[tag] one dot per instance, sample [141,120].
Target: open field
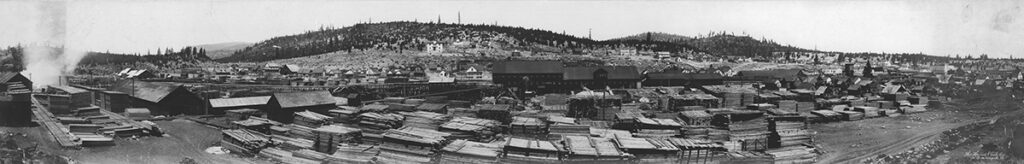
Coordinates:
[915,134]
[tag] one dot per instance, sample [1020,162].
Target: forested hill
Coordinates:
[11,58]
[406,36]
[720,43]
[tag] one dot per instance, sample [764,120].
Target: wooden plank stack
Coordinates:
[328,137]
[289,143]
[914,109]
[788,105]
[869,112]
[851,115]
[311,119]
[474,129]
[794,155]
[527,125]
[789,131]
[299,131]
[354,153]
[469,152]
[918,100]
[805,106]
[344,115]
[424,119]
[498,112]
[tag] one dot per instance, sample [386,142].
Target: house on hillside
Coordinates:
[282,106]
[435,48]
[162,98]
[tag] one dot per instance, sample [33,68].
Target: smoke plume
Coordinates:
[49,56]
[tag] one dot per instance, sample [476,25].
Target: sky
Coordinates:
[942,27]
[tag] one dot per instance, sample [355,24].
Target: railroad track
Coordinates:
[53,126]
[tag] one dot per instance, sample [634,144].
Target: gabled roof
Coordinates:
[527,67]
[614,72]
[683,76]
[149,91]
[304,99]
[7,76]
[239,101]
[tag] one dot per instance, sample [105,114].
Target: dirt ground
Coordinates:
[908,136]
[184,139]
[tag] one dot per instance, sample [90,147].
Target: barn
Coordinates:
[15,99]
[162,98]
[282,106]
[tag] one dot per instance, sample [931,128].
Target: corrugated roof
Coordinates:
[527,67]
[304,99]
[239,101]
[614,72]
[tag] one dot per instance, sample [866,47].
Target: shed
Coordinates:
[282,105]
[218,106]
[163,97]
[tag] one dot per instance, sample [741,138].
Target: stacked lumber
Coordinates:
[462,112]
[762,106]
[401,157]
[858,102]
[309,154]
[397,107]
[413,142]
[695,132]
[289,143]
[767,98]
[344,115]
[696,144]
[657,123]
[656,133]
[475,129]
[240,114]
[373,108]
[88,111]
[568,129]
[745,126]
[459,103]
[691,101]
[607,133]
[423,119]
[699,118]
[851,115]
[788,105]
[243,141]
[732,99]
[527,125]
[648,149]
[789,131]
[353,153]
[586,148]
[469,152]
[780,112]
[275,153]
[805,106]
[626,120]
[519,150]
[748,98]
[433,107]
[299,131]
[786,95]
[869,112]
[829,115]
[887,105]
[311,119]
[913,109]
[380,122]
[499,112]
[747,157]
[795,155]
[889,112]
[328,137]
[918,100]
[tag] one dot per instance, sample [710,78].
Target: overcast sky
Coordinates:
[932,27]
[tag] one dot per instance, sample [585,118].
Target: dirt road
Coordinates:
[854,141]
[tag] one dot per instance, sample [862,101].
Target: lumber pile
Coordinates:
[747,157]
[869,112]
[648,149]
[299,131]
[586,148]
[795,155]
[462,112]
[243,142]
[240,114]
[748,127]
[527,125]
[519,150]
[474,129]
[498,112]
[379,122]
[413,142]
[789,131]
[913,109]
[289,143]
[851,115]
[328,137]
[311,119]
[656,133]
[354,153]
[788,105]
[469,152]
[761,106]
[767,98]
[829,115]
[309,154]
[88,111]
[918,100]
[698,118]
[423,119]
[433,107]
[805,106]
[344,115]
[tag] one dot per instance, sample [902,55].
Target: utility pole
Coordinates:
[460,17]
[439,19]
[590,33]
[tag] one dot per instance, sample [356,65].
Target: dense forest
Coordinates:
[11,58]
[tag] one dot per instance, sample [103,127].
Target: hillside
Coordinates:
[406,36]
[655,36]
[731,45]
[221,50]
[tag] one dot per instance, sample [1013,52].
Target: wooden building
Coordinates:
[682,79]
[540,76]
[162,98]
[15,99]
[218,106]
[578,78]
[282,106]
